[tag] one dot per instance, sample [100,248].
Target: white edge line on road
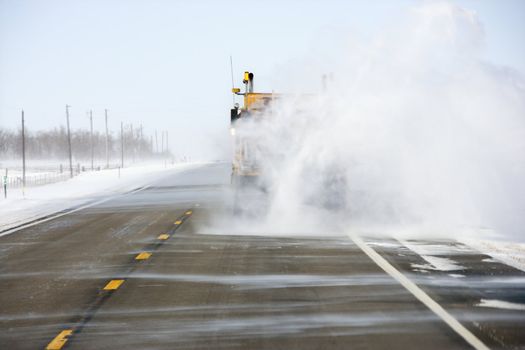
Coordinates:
[10,231]
[419,294]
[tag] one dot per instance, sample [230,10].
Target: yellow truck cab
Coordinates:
[248,183]
[245,159]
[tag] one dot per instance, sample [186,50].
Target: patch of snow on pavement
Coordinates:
[427,252]
[500,304]
[438,264]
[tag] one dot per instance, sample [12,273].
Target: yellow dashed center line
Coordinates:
[113,284]
[60,340]
[143,256]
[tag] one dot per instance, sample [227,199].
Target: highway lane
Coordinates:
[231,291]
[51,272]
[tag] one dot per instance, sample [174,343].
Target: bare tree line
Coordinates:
[52,144]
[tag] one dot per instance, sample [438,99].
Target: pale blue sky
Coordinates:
[166,63]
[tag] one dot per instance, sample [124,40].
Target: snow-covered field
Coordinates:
[34,202]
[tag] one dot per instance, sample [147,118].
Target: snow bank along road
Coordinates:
[136,272]
[24,208]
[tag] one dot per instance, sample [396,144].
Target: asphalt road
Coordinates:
[193,290]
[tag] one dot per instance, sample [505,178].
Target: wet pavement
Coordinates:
[231,291]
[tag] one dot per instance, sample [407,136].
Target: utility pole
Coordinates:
[107,139]
[162,142]
[133,148]
[5,183]
[156,143]
[140,142]
[23,151]
[69,143]
[91,137]
[121,144]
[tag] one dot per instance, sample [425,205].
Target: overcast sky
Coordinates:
[165,64]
